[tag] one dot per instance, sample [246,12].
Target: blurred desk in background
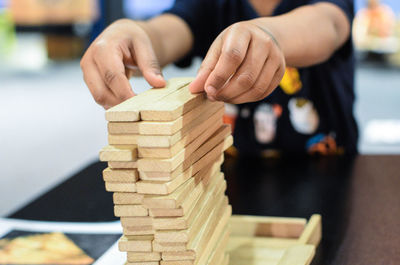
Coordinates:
[358,198]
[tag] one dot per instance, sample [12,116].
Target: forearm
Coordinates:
[170,36]
[308,35]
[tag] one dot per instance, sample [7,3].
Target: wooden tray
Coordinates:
[273,240]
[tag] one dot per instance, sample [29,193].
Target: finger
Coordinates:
[148,62]
[100,92]
[233,52]
[206,67]
[110,64]
[260,88]
[247,74]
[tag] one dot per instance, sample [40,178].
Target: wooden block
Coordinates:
[143,263]
[120,175]
[124,198]
[136,221]
[123,153]
[189,131]
[313,231]
[123,139]
[171,127]
[178,255]
[185,221]
[176,198]
[122,165]
[170,164]
[143,244]
[120,187]
[175,262]
[211,124]
[123,127]
[172,106]
[218,254]
[138,230]
[262,242]
[130,210]
[301,254]
[164,188]
[207,153]
[143,256]
[168,247]
[186,235]
[186,205]
[267,226]
[129,110]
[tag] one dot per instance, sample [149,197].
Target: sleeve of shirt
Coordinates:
[198,15]
[346,5]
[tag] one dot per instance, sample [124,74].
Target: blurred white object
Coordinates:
[383,131]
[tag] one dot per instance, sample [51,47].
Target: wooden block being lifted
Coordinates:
[129,110]
[172,106]
[120,175]
[166,141]
[124,153]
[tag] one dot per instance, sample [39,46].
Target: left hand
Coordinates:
[244,64]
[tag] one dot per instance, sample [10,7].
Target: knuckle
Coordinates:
[219,78]
[246,79]
[234,54]
[259,91]
[100,98]
[109,76]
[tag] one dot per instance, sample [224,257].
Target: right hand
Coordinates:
[112,59]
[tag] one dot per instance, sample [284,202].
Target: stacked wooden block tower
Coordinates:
[164,156]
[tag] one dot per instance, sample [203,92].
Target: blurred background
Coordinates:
[50,127]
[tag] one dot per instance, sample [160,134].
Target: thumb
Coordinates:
[148,63]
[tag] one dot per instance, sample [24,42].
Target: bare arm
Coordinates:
[247,60]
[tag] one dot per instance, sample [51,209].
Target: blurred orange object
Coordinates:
[38,12]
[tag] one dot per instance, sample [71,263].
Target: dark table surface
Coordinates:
[358,198]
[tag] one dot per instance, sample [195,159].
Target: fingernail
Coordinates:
[211,90]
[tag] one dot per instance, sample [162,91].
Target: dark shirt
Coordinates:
[312,109]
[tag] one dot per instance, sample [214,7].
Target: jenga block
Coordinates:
[143,256]
[138,230]
[168,152]
[200,159]
[178,255]
[212,229]
[176,198]
[218,253]
[127,198]
[187,235]
[176,262]
[172,106]
[168,247]
[130,210]
[123,127]
[171,127]
[136,221]
[189,131]
[122,165]
[120,175]
[129,110]
[170,164]
[185,221]
[143,263]
[141,244]
[123,153]
[120,187]
[123,139]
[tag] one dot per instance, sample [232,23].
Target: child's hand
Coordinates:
[123,49]
[244,64]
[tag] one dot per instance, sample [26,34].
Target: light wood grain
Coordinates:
[120,187]
[120,175]
[129,110]
[123,139]
[123,153]
[130,210]
[123,127]
[312,234]
[136,245]
[143,257]
[122,165]
[125,198]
